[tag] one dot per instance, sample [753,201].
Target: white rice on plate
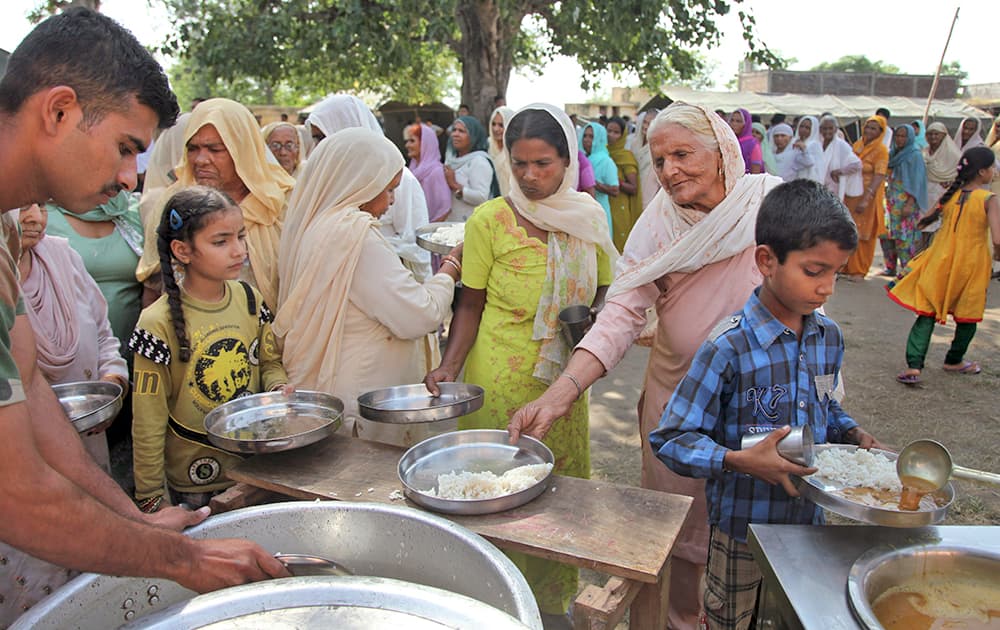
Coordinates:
[464,485]
[857,468]
[448,235]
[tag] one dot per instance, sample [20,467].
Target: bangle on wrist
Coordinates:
[576,383]
[448,258]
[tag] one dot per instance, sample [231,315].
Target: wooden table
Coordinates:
[622,531]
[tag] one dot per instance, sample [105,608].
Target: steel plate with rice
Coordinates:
[272,422]
[451,455]
[849,493]
[407,404]
[89,404]
[441,237]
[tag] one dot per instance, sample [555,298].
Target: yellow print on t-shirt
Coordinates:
[221,369]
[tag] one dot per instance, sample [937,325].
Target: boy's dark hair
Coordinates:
[103,62]
[536,123]
[883,112]
[184,215]
[800,214]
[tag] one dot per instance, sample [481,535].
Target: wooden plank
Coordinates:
[603,608]
[614,529]
[239,496]
[649,610]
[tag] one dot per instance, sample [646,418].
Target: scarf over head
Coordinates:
[501,163]
[669,238]
[814,148]
[747,142]
[263,208]
[478,145]
[269,128]
[975,141]
[342,111]
[639,145]
[318,257]
[838,155]
[769,164]
[920,139]
[167,153]
[429,171]
[907,166]
[941,163]
[577,227]
[51,306]
[599,147]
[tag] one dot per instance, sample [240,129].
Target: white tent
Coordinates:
[847,109]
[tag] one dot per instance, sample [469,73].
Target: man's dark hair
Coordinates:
[883,112]
[801,214]
[777,119]
[103,62]
[498,98]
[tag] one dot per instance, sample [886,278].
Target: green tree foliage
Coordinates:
[954,69]
[408,50]
[50,7]
[856,63]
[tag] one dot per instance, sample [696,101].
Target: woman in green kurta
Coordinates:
[526,257]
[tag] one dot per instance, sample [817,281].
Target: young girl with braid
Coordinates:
[950,277]
[207,340]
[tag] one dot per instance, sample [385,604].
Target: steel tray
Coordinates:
[407,404]
[823,492]
[272,422]
[473,451]
[89,403]
[426,230]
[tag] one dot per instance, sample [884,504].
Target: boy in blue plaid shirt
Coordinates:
[768,368]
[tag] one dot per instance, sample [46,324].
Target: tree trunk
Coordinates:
[486,50]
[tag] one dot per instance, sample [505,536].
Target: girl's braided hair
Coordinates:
[184,215]
[969,165]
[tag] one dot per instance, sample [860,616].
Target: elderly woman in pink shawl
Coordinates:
[690,256]
[426,165]
[67,311]
[753,155]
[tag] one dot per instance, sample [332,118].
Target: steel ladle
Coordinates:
[299,564]
[931,461]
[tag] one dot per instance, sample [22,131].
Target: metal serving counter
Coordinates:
[805,567]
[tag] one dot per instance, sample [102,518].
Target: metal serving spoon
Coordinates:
[931,461]
[299,564]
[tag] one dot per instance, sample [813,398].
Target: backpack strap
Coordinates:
[251,300]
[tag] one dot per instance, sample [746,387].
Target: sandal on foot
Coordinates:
[908,378]
[967,367]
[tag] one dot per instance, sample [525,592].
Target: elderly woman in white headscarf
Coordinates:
[225,151]
[639,145]
[542,248]
[941,156]
[840,168]
[691,256]
[351,318]
[282,139]
[498,122]
[409,210]
[809,153]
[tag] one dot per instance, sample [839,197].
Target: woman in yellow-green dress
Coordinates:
[527,256]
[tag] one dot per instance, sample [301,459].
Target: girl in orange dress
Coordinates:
[951,276]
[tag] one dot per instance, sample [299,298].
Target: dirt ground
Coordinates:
[962,412]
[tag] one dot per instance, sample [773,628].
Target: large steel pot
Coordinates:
[370,539]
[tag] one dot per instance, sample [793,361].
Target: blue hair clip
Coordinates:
[176,222]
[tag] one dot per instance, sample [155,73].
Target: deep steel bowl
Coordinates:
[272,422]
[89,403]
[824,493]
[425,231]
[371,538]
[472,451]
[881,568]
[407,404]
[346,603]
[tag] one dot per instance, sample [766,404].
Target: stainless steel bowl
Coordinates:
[372,539]
[407,404]
[473,451]
[825,493]
[881,568]
[89,403]
[345,603]
[426,230]
[272,422]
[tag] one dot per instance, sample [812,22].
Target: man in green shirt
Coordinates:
[79,102]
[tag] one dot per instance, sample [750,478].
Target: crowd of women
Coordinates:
[285,257]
